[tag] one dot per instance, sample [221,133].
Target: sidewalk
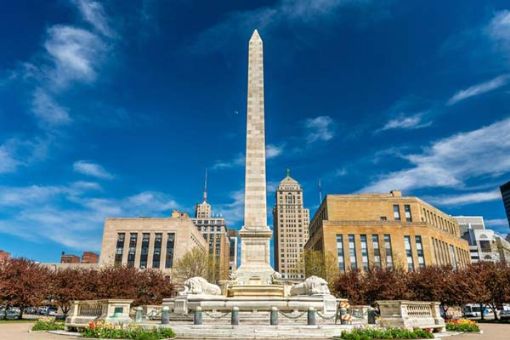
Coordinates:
[20,331]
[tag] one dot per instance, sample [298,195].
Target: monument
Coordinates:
[255,287]
[255,233]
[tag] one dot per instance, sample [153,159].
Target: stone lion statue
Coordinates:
[199,285]
[313,285]
[276,278]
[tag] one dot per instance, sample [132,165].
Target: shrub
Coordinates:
[388,333]
[48,325]
[108,331]
[462,325]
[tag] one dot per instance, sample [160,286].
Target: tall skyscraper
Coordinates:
[505,193]
[255,233]
[214,231]
[290,220]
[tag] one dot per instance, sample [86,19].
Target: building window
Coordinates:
[119,251]
[352,252]
[389,252]
[419,250]
[170,242]
[396,212]
[364,252]
[485,246]
[377,251]
[409,253]
[133,237]
[340,252]
[453,256]
[156,257]
[407,211]
[145,250]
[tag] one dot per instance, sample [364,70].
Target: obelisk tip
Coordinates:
[255,36]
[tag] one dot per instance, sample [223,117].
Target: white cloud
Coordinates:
[85,186]
[152,201]
[341,172]
[414,121]
[237,161]
[7,161]
[91,169]
[302,12]
[234,210]
[497,222]
[479,89]
[74,52]
[94,13]
[273,151]
[47,110]
[499,29]
[320,128]
[68,215]
[470,198]
[70,55]
[25,196]
[449,162]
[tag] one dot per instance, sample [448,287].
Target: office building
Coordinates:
[386,230]
[290,224]
[149,242]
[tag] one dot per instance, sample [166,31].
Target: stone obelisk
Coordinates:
[255,234]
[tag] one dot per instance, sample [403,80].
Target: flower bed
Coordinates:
[108,331]
[48,325]
[462,325]
[385,333]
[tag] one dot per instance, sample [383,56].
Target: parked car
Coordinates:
[30,310]
[504,314]
[13,313]
[2,313]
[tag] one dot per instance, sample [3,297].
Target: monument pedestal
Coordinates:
[255,252]
[256,290]
[325,304]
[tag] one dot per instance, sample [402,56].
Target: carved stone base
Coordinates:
[256,290]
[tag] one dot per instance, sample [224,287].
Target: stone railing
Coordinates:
[410,314]
[111,310]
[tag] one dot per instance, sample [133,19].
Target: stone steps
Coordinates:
[258,332]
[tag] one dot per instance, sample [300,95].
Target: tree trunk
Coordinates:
[495,311]
[482,316]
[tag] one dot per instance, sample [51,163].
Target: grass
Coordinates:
[50,325]
[386,333]
[108,331]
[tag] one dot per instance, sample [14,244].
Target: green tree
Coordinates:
[318,264]
[196,263]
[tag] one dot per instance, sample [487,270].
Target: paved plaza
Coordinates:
[21,331]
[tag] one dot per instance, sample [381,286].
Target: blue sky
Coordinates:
[116,108]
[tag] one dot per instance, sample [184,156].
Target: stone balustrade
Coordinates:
[82,312]
[410,314]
